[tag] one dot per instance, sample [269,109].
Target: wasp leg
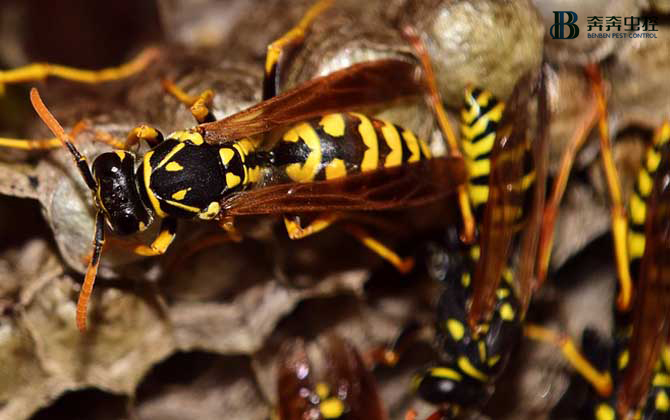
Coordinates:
[149,134]
[40,71]
[296,231]
[198,105]
[278,50]
[601,382]
[163,240]
[390,354]
[619,220]
[403,265]
[551,209]
[435,100]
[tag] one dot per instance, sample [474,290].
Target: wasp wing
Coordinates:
[402,186]
[504,208]
[364,84]
[651,307]
[294,375]
[348,375]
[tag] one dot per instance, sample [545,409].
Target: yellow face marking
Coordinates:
[170,155]
[187,135]
[456,329]
[179,195]
[306,171]
[333,125]
[211,212]
[604,412]
[472,371]
[506,312]
[412,144]
[392,139]
[638,209]
[662,402]
[232,180]
[369,136]
[121,154]
[336,169]
[332,408]
[147,186]
[173,167]
[442,372]
[226,155]
[322,390]
[623,360]
[183,206]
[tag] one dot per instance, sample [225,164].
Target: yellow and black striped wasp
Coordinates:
[628,375]
[483,303]
[347,390]
[293,154]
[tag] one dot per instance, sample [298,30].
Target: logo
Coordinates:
[557,30]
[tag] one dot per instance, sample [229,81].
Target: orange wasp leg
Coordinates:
[435,100]
[278,50]
[198,105]
[601,382]
[40,71]
[619,220]
[551,209]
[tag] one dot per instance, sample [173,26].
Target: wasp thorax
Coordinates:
[117,193]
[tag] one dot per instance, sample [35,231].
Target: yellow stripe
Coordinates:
[605,412]
[306,171]
[369,135]
[121,154]
[478,194]
[179,195]
[483,146]
[636,243]
[644,183]
[173,167]
[507,312]
[662,402]
[661,380]
[170,154]
[336,169]
[638,209]
[183,206]
[479,167]
[226,155]
[442,372]
[467,367]
[653,160]
[185,135]
[392,139]
[472,131]
[254,174]
[412,145]
[425,149]
[147,186]
[333,124]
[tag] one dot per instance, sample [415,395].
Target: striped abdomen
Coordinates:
[637,205]
[341,144]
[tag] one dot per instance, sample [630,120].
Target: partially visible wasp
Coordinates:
[483,304]
[347,390]
[629,375]
[318,160]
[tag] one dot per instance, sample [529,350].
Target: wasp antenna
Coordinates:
[50,121]
[91,272]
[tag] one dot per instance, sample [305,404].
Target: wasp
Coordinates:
[629,375]
[295,153]
[348,389]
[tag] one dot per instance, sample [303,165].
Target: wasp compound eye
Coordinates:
[117,192]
